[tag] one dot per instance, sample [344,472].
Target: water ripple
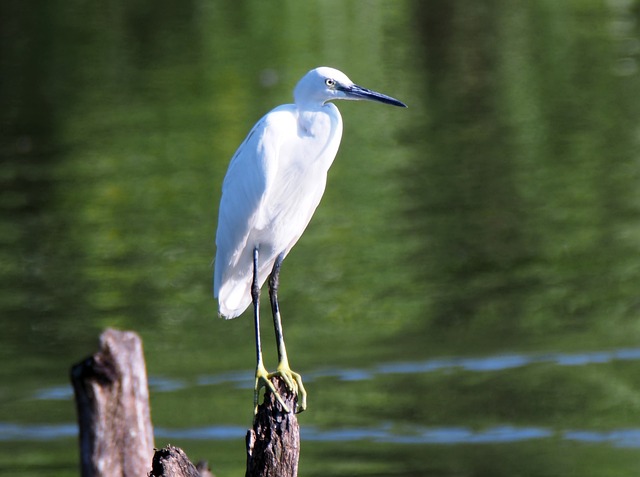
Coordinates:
[485,364]
[385,433]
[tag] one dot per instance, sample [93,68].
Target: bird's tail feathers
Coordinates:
[233,299]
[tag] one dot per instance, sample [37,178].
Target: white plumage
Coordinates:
[272,188]
[274,183]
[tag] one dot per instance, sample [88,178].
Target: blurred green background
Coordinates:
[466,300]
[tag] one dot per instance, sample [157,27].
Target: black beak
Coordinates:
[358,92]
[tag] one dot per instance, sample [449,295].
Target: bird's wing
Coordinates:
[244,189]
[242,193]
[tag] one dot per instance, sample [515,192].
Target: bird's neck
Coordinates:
[308,117]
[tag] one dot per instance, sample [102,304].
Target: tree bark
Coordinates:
[112,402]
[171,461]
[273,445]
[116,437]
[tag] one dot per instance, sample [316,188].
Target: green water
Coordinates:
[466,299]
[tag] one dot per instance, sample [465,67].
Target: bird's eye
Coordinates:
[330,82]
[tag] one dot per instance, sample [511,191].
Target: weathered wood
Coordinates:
[171,461]
[273,445]
[112,402]
[116,437]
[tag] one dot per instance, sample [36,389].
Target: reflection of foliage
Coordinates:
[499,211]
[526,197]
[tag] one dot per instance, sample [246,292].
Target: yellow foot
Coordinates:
[263,381]
[292,380]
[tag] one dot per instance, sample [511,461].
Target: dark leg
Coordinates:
[292,379]
[262,376]
[274,283]
[255,297]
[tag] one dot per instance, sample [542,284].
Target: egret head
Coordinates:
[325,84]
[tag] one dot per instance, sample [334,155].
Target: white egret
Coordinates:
[273,185]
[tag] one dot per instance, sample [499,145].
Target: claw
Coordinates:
[263,381]
[291,379]
[294,382]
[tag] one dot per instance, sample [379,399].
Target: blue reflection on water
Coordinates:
[54,393]
[439,435]
[36,432]
[164,384]
[244,379]
[384,433]
[618,437]
[479,364]
[241,377]
[628,438]
[495,363]
[214,433]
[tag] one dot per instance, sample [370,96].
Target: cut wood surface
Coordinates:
[112,402]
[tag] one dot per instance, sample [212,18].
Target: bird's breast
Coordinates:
[304,157]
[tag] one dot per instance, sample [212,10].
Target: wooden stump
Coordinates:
[116,437]
[273,445]
[171,461]
[112,401]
